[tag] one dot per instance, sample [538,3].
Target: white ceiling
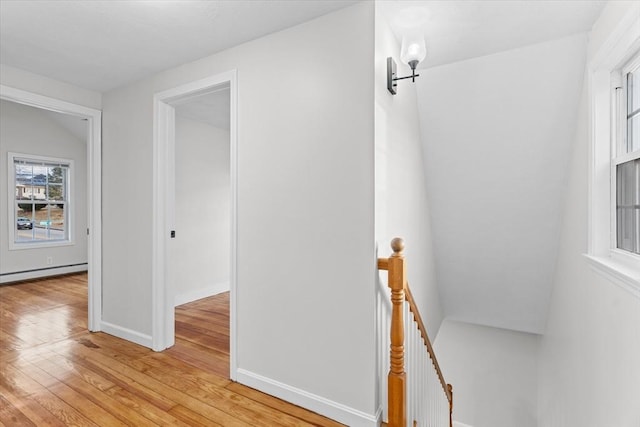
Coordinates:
[212,108]
[76,126]
[101,45]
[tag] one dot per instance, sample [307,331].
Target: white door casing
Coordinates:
[163,308]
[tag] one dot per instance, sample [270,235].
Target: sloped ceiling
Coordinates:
[497,134]
[498,96]
[75,126]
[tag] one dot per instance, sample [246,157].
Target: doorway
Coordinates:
[174,217]
[199,254]
[93,190]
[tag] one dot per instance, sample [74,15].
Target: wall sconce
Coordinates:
[412,52]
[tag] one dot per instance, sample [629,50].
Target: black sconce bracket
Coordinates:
[392,73]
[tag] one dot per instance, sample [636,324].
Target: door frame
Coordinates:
[162,298]
[94,187]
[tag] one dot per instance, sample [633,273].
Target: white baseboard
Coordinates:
[200,293]
[45,272]
[126,334]
[328,408]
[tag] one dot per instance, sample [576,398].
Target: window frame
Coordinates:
[619,154]
[69,240]
[604,75]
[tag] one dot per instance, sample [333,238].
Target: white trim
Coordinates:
[94,188]
[233,158]
[627,157]
[628,278]
[203,292]
[618,47]
[69,240]
[34,244]
[46,272]
[163,313]
[126,334]
[328,408]
[379,415]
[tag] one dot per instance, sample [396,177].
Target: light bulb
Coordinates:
[413,50]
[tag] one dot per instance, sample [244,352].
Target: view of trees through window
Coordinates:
[41,201]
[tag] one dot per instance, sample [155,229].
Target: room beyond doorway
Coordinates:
[199,254]
[93,133]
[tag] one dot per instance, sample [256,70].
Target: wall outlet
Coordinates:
[49,260]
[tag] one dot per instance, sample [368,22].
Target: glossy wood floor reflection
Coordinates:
[55,373]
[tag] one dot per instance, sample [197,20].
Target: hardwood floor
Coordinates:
[53,372]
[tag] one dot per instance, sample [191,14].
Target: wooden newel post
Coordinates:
[397,377]
[450,388]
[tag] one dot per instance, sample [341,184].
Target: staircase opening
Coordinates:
[416,391]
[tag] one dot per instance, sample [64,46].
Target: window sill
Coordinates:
[41,244]
[624,273]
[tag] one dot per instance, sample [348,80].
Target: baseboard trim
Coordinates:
[42,272]
[379,415]
[204,292]
[126,334]
[328,408]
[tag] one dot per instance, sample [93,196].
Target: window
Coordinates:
[39,192]
[613,89]
[626,160]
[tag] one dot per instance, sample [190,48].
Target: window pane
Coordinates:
[633,133]
[56,174]
[58,222]
[25,208]
[628,206]
[633,91]
[40,175]
[56,192]
[24,224]
[24,173]
[23,192]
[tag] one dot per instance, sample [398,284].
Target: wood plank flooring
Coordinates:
[53,372]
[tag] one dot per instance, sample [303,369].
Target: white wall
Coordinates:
[493,373]
[201,253]
[402,209]
[305,207]
[588,364]
[28,130]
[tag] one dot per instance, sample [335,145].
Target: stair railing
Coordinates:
[420,394]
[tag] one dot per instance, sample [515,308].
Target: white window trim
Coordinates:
[11,183]
[618,145]
[621,267]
